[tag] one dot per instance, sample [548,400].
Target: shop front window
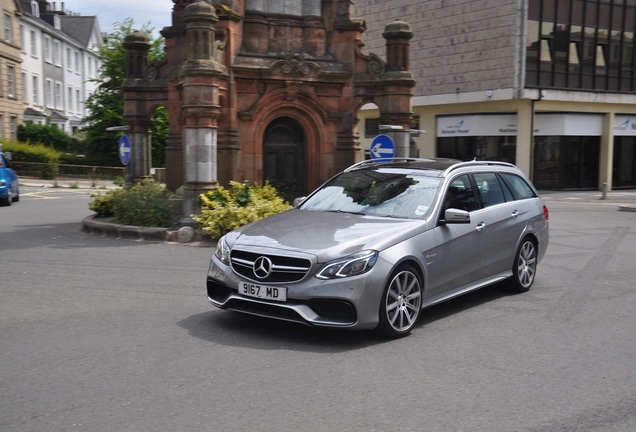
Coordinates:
[566,162]
[624,174]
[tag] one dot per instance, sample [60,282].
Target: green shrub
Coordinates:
[144,204]
[25,152]
[102,203]
[45,134]
[223,210]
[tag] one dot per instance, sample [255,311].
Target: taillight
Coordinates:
[545,213]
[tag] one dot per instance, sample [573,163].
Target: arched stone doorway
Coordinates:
[284,157]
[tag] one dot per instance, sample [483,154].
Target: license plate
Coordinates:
[262,291]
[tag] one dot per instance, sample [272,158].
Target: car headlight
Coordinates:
[222,251]
[352,265]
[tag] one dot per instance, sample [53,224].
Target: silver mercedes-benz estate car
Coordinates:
[381,241]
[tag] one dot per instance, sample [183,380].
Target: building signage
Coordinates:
[568,125]
[624,125]
[547,124]
[477,125]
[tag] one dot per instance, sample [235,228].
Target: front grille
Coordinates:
[284,269]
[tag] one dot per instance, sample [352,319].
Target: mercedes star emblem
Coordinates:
[262,267]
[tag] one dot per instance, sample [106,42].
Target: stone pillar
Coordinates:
[525,124]
[136,45]
[199,79]
[607,153]
[140,152]
[396,106]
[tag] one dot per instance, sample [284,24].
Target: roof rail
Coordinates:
[367,162]
[477,163]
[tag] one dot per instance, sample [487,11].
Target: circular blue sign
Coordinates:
[124,149]
[382,147]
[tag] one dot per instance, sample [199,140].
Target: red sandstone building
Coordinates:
[262,90]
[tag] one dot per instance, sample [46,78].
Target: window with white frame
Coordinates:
[48,93]
[69,60]
[34,44]
[36,89]
[78,101]
[77,62]
[35,8]
[13,127]
[69,100]
[22,44]
[57,53]
[11,81]
[25,87]
[47,49]
[8,28]
[59,95]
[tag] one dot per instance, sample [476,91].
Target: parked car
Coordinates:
[381,241]
[9,187]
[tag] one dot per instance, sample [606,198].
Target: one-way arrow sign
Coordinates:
[382,147]
[124,150]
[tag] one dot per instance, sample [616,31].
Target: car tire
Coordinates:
[524,268]
[16,198]
[401,303]
[4,202]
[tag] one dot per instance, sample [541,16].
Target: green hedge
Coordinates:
[25,152]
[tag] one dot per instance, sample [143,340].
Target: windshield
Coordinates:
[380,192]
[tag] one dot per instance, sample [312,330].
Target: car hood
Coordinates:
[327,235]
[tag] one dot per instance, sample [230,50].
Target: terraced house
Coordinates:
[11,106]
[59,58]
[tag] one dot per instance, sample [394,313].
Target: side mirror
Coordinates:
[456,216]
[298,201]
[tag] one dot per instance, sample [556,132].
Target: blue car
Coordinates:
[9,189]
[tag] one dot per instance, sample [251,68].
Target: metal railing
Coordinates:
[71,172]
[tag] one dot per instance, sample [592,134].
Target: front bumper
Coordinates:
[339,303]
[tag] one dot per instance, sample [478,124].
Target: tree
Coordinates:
[106,104]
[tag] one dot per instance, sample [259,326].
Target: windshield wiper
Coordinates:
[343,211]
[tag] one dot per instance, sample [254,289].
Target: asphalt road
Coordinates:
[99,334]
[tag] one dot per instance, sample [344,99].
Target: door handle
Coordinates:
[480,226]
[514,214]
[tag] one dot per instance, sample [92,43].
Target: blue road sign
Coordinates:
[124,149]
[382,147]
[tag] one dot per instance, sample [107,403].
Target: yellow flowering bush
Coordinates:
[225,209]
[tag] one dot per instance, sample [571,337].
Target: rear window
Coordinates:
[519,187]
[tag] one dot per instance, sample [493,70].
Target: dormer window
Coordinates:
[35,9]
[57,23]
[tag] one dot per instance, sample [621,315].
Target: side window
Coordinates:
[519,187]
[490,190]
[460,195]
